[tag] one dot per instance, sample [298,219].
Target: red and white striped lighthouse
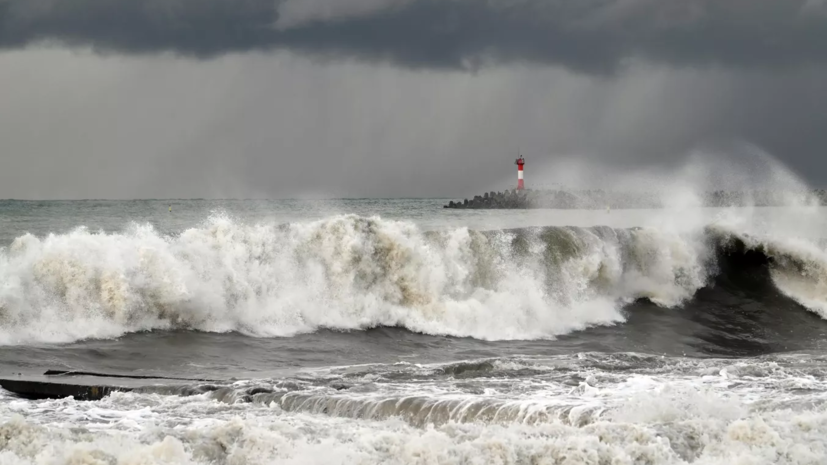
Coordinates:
[520,162]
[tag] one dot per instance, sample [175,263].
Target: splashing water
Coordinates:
[343,272]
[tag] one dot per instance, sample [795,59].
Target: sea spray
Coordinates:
[343,272]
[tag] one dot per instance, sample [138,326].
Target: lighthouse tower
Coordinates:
[520,162]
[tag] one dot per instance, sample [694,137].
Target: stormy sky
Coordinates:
[394,98]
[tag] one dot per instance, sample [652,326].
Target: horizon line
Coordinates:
[150,199]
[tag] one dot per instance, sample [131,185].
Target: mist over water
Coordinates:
[396,331]
[310,266]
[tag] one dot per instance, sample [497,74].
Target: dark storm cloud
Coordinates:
[586,35]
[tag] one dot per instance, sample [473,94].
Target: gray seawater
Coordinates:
[395,331]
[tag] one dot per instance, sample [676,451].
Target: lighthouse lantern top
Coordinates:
[520,161]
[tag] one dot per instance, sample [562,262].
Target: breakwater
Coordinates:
[601,199]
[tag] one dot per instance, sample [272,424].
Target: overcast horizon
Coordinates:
[405,98]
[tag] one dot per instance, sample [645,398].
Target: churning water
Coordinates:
[393,331]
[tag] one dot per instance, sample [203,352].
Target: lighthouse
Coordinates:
[520,162]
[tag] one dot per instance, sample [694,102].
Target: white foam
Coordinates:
[349,272]
[343,272]
[683,411]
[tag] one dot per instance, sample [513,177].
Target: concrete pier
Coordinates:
[55,384]
[31,389]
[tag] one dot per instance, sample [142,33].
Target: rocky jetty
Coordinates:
[507,199]
[600,199]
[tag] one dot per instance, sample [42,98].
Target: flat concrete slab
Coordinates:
[55,384]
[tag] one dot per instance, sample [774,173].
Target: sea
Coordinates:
[370,331]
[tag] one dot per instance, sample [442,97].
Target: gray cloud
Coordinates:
[276,125]
[585,35]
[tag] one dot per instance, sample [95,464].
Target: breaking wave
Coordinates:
[350,273]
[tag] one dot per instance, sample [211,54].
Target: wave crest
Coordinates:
[345,273]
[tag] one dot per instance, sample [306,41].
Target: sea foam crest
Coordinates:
[342,272]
